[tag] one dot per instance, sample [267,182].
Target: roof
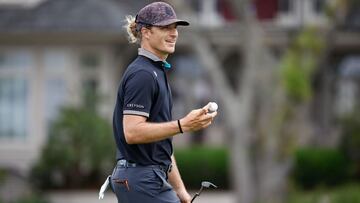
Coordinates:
[56,16]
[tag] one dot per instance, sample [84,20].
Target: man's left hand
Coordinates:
[184,196]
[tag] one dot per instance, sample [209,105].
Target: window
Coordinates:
[209,14]
[56,62]
[15,60]
[89,63]
[285,6]
[14,92]
[293,13]
[13,99]
[319,6]
[2,60]
[90,60]
[90,93]
[289,13]
[55,97]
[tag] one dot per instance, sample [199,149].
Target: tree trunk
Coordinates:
[253,180]
[237,119]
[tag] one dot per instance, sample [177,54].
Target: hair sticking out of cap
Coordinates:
[133,34]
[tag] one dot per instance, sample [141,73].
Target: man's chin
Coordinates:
[170,50]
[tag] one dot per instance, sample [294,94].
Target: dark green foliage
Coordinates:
[350,143]
[349,194]
[299,65]
[3,174]
[79,153]
[203,163]
[319,166]
[342,194]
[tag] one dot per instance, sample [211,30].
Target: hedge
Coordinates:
[198,164]
[319,166]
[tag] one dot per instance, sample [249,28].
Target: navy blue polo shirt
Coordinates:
[144,91]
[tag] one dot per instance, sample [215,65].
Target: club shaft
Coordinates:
[194,197]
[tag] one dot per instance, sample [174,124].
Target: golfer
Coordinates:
[146,170]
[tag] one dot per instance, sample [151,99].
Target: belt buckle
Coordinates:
[122,163]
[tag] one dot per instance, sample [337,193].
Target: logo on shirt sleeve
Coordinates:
[139,106]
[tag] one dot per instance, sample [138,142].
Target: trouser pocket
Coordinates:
[164,183]
[146,185]
[147,182]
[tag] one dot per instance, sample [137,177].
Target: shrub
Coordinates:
[315,166]
[342,194]
[2,175]
[203,164]
[350,140]
[79,153]
[299,64]
[348,194]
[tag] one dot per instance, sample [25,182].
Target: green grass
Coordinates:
[342,194]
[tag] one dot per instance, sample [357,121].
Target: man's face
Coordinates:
[162,40]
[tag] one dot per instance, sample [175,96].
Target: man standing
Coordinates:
[146,170]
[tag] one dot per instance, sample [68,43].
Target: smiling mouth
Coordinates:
[170,42]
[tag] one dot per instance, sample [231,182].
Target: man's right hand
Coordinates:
[197,119]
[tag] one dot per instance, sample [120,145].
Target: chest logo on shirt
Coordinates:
[139,106]
[155,74]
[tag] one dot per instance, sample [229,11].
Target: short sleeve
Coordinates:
[140,90]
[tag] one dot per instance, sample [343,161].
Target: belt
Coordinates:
[127,164]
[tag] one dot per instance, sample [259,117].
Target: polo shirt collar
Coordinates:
[148,54]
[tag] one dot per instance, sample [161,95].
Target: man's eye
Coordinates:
[169,27]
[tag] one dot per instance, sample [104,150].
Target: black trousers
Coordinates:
[142,185]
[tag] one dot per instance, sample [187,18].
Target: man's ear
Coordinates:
[145,32]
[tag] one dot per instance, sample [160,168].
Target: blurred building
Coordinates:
[50,53]
[54,50]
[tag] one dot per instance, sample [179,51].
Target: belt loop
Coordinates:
[169,168]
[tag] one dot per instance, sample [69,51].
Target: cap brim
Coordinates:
[171,21]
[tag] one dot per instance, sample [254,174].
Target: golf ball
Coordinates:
[213,106]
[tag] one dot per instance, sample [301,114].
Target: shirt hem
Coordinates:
[132,112]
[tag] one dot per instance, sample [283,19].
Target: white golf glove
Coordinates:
[104,187]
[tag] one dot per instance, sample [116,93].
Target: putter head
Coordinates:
[207,184]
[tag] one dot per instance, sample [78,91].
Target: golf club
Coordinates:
[204,184]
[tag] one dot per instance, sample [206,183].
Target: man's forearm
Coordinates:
[175,178]
[139,131]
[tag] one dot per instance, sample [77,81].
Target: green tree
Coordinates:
[300,63]
[79,152]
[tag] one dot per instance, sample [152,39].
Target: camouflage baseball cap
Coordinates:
[158,14]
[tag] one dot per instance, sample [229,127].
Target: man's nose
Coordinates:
[174,32]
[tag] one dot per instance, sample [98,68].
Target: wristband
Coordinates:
[179,125]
